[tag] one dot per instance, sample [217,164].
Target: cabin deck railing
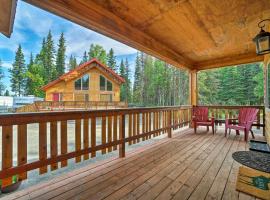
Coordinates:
[42,106]
[90,131]
[220,113]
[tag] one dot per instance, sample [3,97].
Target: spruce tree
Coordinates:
[137,86]
[98,52]
[72,62]
[84,58]
[7,93]
[18,80]
[60,58]
[2,86]
[111,60]
[28,80]
[50,68]
[128,82]
[123,88]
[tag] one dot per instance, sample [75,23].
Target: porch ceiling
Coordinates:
[194,34]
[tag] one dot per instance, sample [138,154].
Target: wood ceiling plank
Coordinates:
[7,15]
[229,61]
[91,15]
[180,32]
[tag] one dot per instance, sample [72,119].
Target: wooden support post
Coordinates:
[193,91]
[122,137]
[266,95]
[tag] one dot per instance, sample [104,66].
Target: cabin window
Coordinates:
[102,83]
[82,83]
[109,85]
[106,97]
[105,85]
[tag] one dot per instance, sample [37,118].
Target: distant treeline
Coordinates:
[156,83]
[237,85]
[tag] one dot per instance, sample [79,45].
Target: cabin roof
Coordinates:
[81,69]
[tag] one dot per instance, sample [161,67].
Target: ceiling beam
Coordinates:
[7,15]
[229,61]
[93,16]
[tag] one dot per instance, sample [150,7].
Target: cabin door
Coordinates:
[56,96]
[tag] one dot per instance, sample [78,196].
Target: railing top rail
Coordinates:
[27,118]
[234,106]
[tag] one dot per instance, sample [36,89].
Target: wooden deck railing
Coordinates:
[222,112]
[40,106]
[100,130]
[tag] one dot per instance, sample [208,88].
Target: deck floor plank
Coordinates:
[187,166]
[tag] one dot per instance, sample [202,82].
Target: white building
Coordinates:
[8,104]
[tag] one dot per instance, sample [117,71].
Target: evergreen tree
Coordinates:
[7,93]
[50,69]
[98,52]
[111,60]
[85,58]
[28,81]
[35,78]
[60,58]
[18,80]
[36,81]
[72,62]
[128,82]
[138,84]
[2,86]
[123,88]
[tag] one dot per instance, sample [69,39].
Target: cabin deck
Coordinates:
[187,166]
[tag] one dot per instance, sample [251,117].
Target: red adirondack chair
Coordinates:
[245,119]
[200,118]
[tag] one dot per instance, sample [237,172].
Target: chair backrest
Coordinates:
[247,114]
[200,113]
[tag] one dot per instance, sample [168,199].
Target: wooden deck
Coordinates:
[187,166]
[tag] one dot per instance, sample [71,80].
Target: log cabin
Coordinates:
[90,81]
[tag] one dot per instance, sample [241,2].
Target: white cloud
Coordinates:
[7,65]
[79,40]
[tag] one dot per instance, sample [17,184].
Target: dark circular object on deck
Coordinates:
[253,159]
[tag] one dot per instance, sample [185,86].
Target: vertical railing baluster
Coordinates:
[63,141]
[42,145]
[138,126]
[53,142]
[22,148]
[86,137]
[109,132]
[103,133]
[122,136]
[115,117]
[93,136]
[134,131]
[130,127]
[169,123]
[7,152]
[143,125]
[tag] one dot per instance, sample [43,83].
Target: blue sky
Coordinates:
[32,24]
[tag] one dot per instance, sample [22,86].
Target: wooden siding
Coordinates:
[70,94]
[187,166]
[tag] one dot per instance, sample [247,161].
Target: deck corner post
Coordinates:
[170,124]
[122,147]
